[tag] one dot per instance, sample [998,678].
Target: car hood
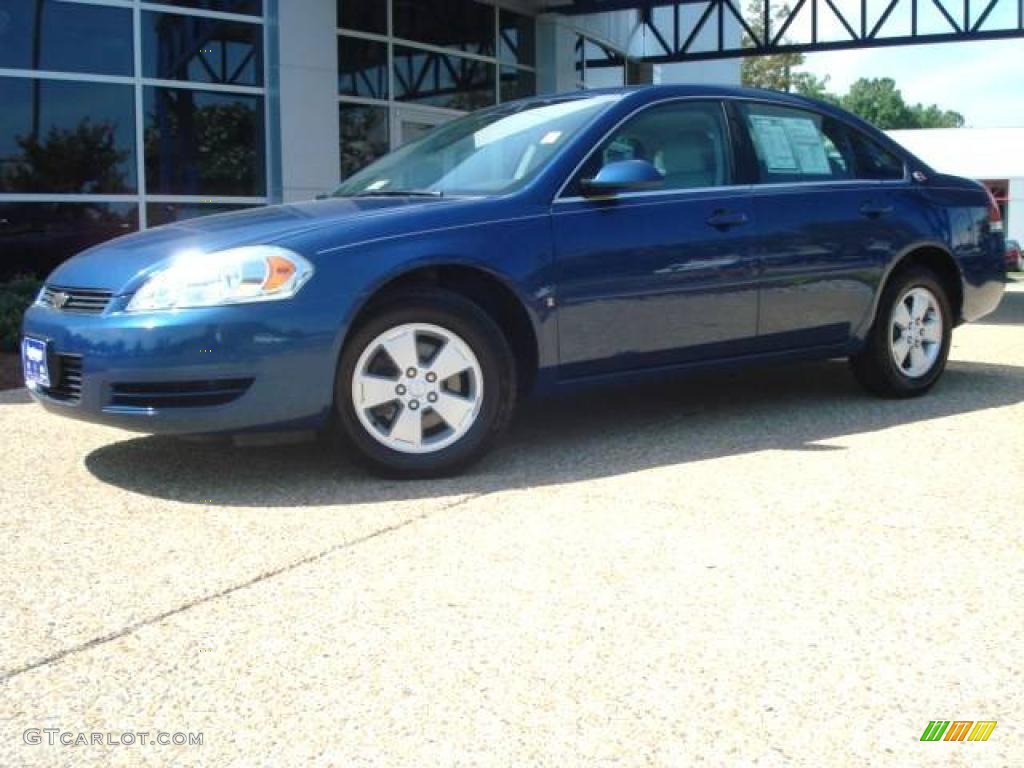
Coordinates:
[120,264]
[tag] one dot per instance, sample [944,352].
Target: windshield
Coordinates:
[486,153]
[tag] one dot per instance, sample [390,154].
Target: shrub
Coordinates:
[16,296]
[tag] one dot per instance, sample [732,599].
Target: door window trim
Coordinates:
[729,141]
[845,126]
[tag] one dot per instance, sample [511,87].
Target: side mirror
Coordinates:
[623,176]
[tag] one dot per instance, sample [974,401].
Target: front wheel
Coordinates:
[425,385]
[908,344]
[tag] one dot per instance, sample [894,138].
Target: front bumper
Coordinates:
[271,364]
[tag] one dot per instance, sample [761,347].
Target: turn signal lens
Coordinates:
[279,271]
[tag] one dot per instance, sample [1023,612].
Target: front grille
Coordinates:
[178,394]
[84,300]
[66,378]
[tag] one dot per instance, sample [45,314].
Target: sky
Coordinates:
[983,81]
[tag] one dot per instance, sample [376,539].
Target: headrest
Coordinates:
[689,152]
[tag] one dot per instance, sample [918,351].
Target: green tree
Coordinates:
[814,87]
[934,117]
[880,102]
[775,72]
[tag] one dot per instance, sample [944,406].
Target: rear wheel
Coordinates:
[908,345]
[425,385]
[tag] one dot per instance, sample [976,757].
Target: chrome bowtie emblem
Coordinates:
[59,299]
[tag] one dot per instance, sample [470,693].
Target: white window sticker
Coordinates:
[770,137]
[551,137]
[790,145]
[378,184]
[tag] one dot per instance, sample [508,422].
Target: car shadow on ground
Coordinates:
[569,438]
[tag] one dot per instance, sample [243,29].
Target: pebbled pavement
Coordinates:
[764,568]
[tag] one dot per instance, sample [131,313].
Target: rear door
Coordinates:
[825,226]
[657,277]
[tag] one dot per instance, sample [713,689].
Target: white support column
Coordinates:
[310,155]
[1015,210]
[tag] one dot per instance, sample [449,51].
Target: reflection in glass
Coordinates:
[36,237]
[204,143]
[598,66]
[65,37]
[517,83]
[443,80]
[517,38]
[364,136]
[66,137]
[167,213]
[362,68]
[364,15]
[201,50]
[493,151]
[465,25]
[252,7]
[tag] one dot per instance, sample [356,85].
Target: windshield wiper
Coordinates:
[400,193]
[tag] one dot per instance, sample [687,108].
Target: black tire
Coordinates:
[478,330]
[874,366]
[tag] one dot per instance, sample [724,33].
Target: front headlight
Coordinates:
[236,276]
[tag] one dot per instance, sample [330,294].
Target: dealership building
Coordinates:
[119,115]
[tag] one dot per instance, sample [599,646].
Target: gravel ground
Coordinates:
[767,568]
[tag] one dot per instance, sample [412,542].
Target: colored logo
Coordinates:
[958,730]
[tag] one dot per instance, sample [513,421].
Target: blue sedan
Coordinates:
[526,248]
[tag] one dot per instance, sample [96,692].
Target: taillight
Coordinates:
[995,216]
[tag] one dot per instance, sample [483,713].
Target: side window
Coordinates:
[872,161]
[793,145]
[686,141]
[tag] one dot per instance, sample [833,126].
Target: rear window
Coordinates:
[793,145]
[872,161]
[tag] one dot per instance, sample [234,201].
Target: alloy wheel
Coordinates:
[417,388]
[916,332]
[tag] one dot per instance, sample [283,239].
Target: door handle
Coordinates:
[875,210]
[725,219]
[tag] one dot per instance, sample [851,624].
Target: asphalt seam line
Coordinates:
[264,576]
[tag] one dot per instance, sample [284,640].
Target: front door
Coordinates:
[660,277]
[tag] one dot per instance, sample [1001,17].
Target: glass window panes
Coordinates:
[167,213]
[364,15]
[517,83]
[443,80]
[250,7]
[66,137]
[65,37]
[36,237]
[362,68]
[492,151]
[178,47]
[794,145]
[686,142]
[364,136]
[517,39]
[872,161]
[465,25]
[204,143]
